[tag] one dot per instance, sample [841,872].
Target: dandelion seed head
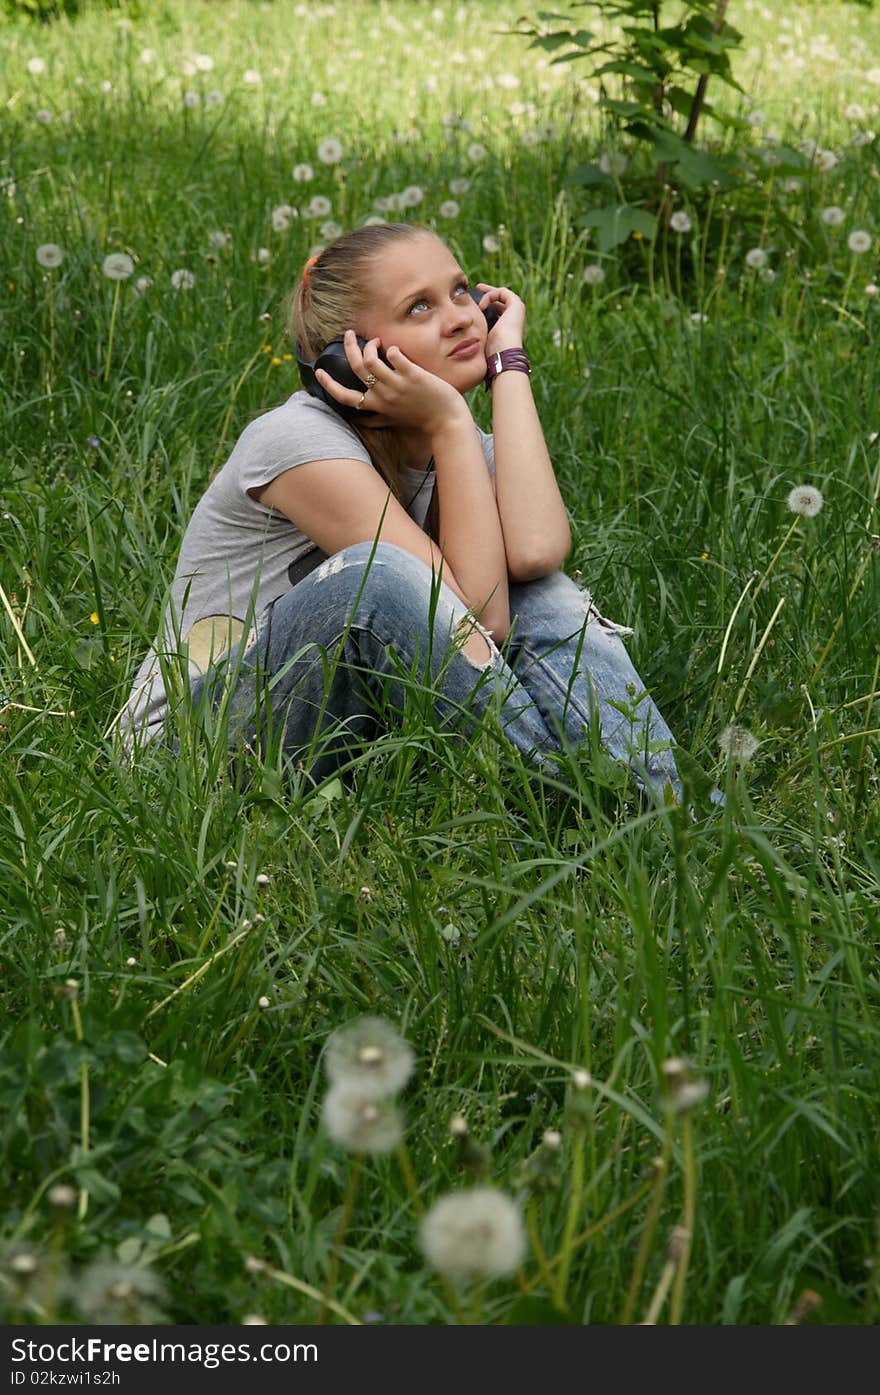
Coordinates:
[680,221]
[491,243]
[302,173]
[49,255]
[213,98]
[361,1124]
[806,500]
[369,1055]
[251,78]
[832,216]
[36,66]
[859,241]
[459,186]
[476,152]
[282,217]
[756,258]
[737,743]
[581,1079]
[552,1139]
[472,1234]
[63,1196]
[182,279]
[329,152]
[594,274]
[191,99]
[117,266]
[43,117]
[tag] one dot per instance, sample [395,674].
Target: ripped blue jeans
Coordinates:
[332,655]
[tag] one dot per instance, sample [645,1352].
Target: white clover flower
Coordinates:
[594,274]
[319,207]
[476,1233]
[191,99]
[329,152]
[302,173]
[118,266]
[182,280]
[859,241]
[491,243]
[411,196]
[449,209]
[614,162]
[143,284]
[251,78]
[832,216]
[36,66]
[737,743]
[369,1055]
[43,117]
[204,62]
[213,98]
[459,186]
[331,230]
[220,239]
[359,1123]
[476,151]
[680,221]
[49,255]
[282,217]
[806,500]
[756,257]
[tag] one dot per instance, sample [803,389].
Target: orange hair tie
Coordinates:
[307,270]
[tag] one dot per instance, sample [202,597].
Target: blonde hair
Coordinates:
[330,298]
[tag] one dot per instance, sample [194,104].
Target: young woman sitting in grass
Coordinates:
[365,539]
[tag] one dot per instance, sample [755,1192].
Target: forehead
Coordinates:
[409,265]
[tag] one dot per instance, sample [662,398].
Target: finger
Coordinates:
[347,397]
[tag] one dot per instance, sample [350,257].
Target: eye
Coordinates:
[462,288]
[419,301]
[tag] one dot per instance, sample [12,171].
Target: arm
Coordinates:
[534,521]
[471,541]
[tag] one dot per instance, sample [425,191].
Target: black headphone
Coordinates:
[334,362]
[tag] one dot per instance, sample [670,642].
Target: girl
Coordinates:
[440,543]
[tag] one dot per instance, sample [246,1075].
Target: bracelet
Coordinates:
[506,359]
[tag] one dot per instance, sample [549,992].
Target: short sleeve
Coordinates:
[301,430]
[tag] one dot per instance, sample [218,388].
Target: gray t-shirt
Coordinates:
[236,554]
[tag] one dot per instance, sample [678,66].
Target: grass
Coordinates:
[513,932]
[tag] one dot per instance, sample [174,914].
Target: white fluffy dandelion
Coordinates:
[680,221]
[832,216]
[476,152]
[411,196]
[191,99]
[613,162]
[872,289]
[282,217]
[318,207]
[491,243]
[825,160]
[369,1055]
[806,500]
[49,255]
[36,66]
[220,239]
[182,280]
[143,284]
[43,117]
[859,241]
[756,257]
[737,743]
[117,266]
[330,230]
[329,152]
[449,209]
[302,173]
[213,98]
[459,186]
[594,274]
[251,78]
[473,1234]
[204,62]
[361,1125]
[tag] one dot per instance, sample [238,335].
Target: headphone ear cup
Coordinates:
[333,360]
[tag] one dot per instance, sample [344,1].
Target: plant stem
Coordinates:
[84,1103]
[775,558]
[109,355]
[354,1174]
[689,1213]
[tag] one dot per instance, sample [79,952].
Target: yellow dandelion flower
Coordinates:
[287,357]
[95,618]
[276,362]
[266,349]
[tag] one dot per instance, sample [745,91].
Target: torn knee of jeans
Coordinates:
[475,642]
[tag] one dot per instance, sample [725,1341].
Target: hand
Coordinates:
[509,330]
[401,395]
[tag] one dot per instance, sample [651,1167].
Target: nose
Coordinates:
[460,315]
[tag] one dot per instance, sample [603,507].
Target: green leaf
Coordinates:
[585,176]
[616,223]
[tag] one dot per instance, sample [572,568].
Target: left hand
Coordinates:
[509,330]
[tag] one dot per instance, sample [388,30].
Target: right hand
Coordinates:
[402,395]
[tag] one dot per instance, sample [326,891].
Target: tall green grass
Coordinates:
[513,931]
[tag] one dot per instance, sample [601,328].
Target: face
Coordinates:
[419,301]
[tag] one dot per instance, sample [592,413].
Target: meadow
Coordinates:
[646,1045]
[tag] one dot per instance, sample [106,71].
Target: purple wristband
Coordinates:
[515,359]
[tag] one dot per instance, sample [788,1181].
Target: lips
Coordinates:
[466,349]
